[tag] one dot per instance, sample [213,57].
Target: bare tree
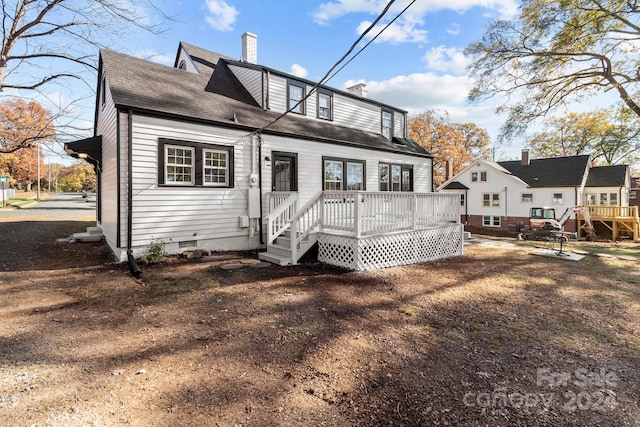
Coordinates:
[557,52]
[54,43]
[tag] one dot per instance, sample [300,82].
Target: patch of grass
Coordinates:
[407,311]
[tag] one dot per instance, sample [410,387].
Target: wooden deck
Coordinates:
[366,230]
[622,221]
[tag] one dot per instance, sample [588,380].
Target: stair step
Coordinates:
[280,250]
[94,230]
[86,237]
[274,258]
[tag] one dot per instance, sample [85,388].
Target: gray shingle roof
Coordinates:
[205,60]
[550,172]
[607,176]
[455,185]
[216,98]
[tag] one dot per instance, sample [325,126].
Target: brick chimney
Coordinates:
[359,89]
[249,48]
[525,157]
[448,170]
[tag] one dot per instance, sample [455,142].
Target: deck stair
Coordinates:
[279,252]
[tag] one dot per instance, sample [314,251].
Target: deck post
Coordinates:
[414,208]
[294,242]
[356,214]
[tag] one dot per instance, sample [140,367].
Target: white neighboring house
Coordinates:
[199,155]
[495,194]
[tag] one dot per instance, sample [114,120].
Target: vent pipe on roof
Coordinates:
[249,48]
[359,89]
[525,157]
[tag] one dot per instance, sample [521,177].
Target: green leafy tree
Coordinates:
[557,52]
[609,141]
[457,143]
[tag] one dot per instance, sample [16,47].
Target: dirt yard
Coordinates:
[498,337]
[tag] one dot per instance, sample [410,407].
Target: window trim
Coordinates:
[483,176]
[198,150]
[403,168]
[474,176]
[522,200]
[557,200]
[383,127]
[190,166]
[226,168]
[329,95]
[302,106]
[345,177]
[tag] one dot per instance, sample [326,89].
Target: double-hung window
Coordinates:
[387,124]
[343,174]
[179,165]
[491,221]
[527,197]
[187,163]
[395,177]
[215,167]
[296,96]
[557,198]
[491,199]
[325,101]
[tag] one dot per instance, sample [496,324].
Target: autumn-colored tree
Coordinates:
[21,166]
[611,138]
[24,125]
[457,143]
[77,177]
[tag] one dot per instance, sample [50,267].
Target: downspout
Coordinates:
[260,184]
[506,204]
[466,206]
[133,266]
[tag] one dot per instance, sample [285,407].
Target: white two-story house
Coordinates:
[209,153]
[493,195]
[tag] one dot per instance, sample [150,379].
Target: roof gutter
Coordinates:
[250,129]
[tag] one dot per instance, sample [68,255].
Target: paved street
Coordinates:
[57,207]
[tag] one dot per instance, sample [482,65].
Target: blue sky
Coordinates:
[417,64]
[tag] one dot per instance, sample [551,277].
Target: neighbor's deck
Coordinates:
[620,220]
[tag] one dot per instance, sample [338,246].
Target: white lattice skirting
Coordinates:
[391,250]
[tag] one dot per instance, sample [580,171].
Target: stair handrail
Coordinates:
[279,220]
[302,224]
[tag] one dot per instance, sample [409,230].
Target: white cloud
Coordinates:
[413,20]
[419,92]
[454,29]
[221,16]
[154,56]
[395,33]
[299,71]
[325,12]
[447,59]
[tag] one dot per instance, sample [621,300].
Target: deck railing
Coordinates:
[361,213]
[368,213]
[283,206]
[611,212]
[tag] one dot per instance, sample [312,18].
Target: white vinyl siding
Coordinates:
[175,214]
[251,79]
[310,165]
[190,66]
[107,127]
